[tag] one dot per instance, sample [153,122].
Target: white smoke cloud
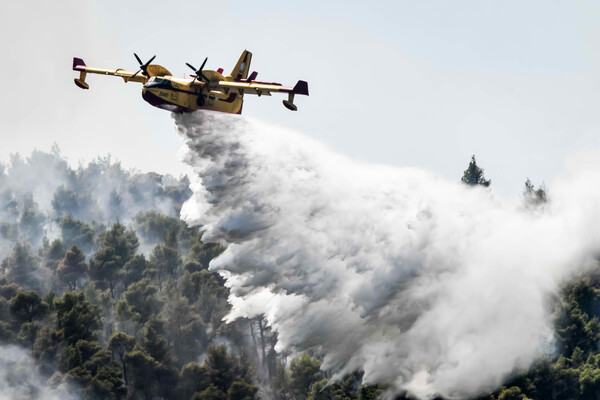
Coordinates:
[19,378]
[430,285]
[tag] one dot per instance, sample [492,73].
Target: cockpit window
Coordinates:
[160,83]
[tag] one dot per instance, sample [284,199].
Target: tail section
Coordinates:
[79,65]
[301,88]
[78,62]
[240,71]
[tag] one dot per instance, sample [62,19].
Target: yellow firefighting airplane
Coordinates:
[205,89]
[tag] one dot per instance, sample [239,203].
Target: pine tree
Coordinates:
[533,196]
[118,246]
[22,267]
[72,267]
[473,175]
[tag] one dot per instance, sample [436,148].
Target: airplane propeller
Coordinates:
[143,66]
[198,72]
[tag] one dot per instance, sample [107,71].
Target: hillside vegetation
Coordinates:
[106,294]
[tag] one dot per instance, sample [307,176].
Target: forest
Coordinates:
[106,294]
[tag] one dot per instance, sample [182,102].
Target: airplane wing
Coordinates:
[247,86]
[128,76]
[262,88]
[223,88]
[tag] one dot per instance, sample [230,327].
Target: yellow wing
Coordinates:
[262,88]
[244,86]
[128,76]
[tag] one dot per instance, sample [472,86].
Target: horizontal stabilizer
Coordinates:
[289,105]
[81,83]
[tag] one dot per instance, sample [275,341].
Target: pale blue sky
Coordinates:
[409,83]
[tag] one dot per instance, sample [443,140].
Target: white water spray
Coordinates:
[427,284]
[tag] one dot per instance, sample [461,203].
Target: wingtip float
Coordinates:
[205,89]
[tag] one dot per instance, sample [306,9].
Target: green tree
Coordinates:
[512,393]
[154,341]
[28,306]
[119,344]
[165,260]
[77,233]
[533,196]
[210,393]
[185,330]
[28,333]
[8,290]
[345,388]
[77,355]
[22,267]
[67,202]
[222,366]
[204,252]
[72,268]
[320,391]
[141,299]
[5,331]
[107,382]
[76,318]
[370,392]
[473,175]
[304,372]
[32,221]
[280,381]
[152,227]
[207,290]
[134,270]
[575,328]
[45,349]
[241,391]
[54,254]
[142,369]
[149,377]
[118,246]
[192,378]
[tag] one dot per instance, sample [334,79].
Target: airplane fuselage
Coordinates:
[181,95]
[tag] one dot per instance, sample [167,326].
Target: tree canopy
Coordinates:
[473,175]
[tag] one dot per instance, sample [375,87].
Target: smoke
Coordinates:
[432,286]
[35,191]
[20,379]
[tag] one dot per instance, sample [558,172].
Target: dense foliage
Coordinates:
[109,292]
[574,372]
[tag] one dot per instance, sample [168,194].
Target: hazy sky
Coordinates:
[408,83]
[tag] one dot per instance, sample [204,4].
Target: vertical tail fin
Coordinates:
[240,71]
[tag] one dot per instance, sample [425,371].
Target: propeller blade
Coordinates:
[143,66]
[198,72]
[150,60]
[133,76]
